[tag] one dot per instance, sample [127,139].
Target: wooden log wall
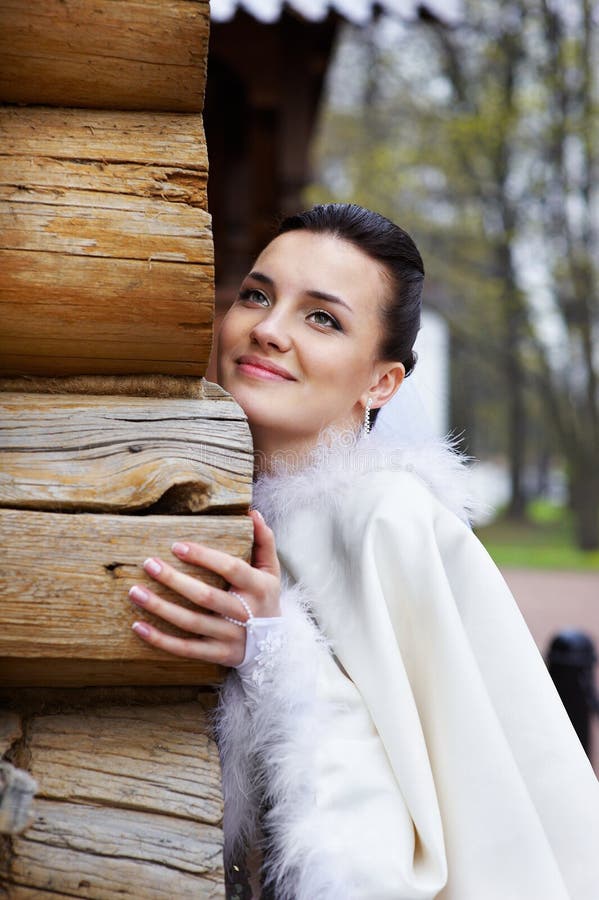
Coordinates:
[129,802]
[104,232]
[112,444]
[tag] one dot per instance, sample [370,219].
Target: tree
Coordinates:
[480,137]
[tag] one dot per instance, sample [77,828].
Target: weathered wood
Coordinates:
[105,249]
[64,584]
[101,54]
[100,853]
[121,454]
[80,137]
[129,804]
[157,758]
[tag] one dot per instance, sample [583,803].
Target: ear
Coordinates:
[387,379]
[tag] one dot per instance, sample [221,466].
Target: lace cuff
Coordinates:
[265,640]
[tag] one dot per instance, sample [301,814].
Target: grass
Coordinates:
[545,541]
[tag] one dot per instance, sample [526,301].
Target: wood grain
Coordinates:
[101,853]
[64,584]
[105,244]
[122,454]
[129,804]
[148,55]
[160,758]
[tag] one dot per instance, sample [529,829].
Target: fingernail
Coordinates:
[152,566]
[259,514]
[141,629]
[138,595]
[180,549]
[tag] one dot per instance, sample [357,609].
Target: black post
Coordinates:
[571,660]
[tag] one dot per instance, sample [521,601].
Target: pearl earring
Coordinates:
[366,427]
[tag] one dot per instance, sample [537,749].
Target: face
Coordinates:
[298,348]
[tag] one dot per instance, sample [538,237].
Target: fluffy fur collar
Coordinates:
[333,466]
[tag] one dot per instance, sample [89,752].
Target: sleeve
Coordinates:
[470,720]
[268,718]
[266,639]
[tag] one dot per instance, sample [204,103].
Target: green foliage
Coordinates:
[544,541]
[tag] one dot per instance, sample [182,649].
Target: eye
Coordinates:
[254,296]
[323,318]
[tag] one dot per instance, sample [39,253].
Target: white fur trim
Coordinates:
[267,736]
[340,457]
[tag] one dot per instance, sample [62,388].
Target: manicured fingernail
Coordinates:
[141,629]
[180,549]
[152,566]
[138,595]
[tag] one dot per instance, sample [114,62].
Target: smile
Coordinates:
[263,369]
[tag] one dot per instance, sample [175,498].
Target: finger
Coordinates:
[206,624]
[191,648]
[233,570]
[264,553]
[206,595]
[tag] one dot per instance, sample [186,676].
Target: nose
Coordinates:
[272,331]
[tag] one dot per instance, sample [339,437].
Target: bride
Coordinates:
[388,729]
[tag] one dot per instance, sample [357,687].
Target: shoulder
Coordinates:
[368,474]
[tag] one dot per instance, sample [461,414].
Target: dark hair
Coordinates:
[389,245]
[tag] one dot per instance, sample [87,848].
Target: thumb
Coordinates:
[264,552]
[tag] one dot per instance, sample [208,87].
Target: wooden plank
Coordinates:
[62,315]
[64,583]
[100,54]
[129,800]
[80,223]
[79,137]
[91,851]
[105,249]
[122,454]
[149,758]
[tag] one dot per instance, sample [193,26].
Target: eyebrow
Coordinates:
[318,295]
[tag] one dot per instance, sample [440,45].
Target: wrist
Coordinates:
[265,639]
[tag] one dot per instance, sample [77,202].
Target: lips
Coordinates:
[263,368]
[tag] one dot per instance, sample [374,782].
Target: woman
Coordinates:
[390,730]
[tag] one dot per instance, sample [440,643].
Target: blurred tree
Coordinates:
[481,139]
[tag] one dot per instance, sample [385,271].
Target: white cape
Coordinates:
[412,746]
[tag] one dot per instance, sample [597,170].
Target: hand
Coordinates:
[215,639]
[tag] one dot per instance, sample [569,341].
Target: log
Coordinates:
[123,454]
[105,247]
[148,55]
[66,618]
[129,805]
[78,137]
[160,758]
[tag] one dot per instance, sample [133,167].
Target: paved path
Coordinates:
[552,601]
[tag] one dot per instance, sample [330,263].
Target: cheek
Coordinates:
[229,335]
[341,370]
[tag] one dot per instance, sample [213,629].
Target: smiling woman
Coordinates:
[304,335]
[388,731]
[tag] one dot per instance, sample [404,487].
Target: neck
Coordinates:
[270,450]
[293,451]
